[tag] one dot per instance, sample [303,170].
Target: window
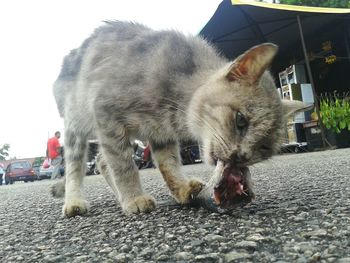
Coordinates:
[20,165]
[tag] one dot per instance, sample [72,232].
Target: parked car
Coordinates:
[46,172]
[2,174]
[19,171]
[36,169]
[142,155]
[190,153]
[91,167]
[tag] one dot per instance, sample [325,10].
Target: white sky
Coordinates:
[37,34]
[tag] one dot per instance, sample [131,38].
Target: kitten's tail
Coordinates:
[58,189]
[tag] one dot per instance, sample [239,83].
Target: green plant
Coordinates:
[38,161]
[335,113]
[4,151]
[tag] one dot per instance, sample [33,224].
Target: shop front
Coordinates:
[313,63]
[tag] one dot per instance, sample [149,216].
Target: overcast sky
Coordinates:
[37,34]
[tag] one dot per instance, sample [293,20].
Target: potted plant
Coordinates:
[335,115]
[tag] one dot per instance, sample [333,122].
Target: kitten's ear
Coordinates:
[253,63]
[294,106]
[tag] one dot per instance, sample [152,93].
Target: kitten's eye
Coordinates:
[241,121]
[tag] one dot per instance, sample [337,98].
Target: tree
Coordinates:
[4,151]
[319,3]
[38,161]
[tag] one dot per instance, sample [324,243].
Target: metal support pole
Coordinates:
[346,40]
[309,72]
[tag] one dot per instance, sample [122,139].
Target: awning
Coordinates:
[292,7]
[240,24]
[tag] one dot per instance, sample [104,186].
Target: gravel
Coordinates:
[301,214]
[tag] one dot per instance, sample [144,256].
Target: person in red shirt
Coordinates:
[54,154]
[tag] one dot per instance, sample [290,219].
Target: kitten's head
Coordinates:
[238,114]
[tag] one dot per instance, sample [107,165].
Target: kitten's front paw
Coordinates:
[75,207]
[140,204]
[188,191]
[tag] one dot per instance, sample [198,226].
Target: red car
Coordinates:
[19,171]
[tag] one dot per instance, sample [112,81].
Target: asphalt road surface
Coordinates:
[301,214]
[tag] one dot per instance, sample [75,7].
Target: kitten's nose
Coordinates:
[239,158]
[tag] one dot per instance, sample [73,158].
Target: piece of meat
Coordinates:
[232,184]
[228,188]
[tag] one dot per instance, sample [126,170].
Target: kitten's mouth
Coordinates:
[228,188]
[232,188]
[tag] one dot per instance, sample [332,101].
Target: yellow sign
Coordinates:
[330,59]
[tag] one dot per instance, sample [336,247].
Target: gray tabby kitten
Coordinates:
[127,81]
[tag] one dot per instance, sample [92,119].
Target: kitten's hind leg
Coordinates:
[58,189]
[182,189]
[75,152]
[122,175]
[103,169]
